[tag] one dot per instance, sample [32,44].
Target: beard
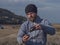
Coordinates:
[32,19]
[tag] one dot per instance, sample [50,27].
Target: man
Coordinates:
[34,31]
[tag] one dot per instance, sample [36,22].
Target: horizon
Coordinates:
[49,9]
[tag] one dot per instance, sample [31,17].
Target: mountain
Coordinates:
[8,17]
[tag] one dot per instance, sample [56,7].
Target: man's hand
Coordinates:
[25,38]
[38,27]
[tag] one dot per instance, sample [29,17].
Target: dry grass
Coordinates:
[54,39]
[9,33]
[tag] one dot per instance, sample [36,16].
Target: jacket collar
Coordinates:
[37,20]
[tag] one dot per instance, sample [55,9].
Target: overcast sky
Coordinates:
[49,9]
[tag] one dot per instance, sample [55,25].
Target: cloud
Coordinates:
[30,0]
[48,8]
[16,1]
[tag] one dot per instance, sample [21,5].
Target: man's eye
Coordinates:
[29,14]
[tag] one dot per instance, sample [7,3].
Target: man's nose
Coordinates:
[30,15]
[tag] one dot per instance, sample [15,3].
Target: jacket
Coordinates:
[36,37]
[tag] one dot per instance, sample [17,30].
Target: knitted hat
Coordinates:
[31,8]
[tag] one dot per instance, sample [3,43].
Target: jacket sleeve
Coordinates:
[21,33]
[47,28]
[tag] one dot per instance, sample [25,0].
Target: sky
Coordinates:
[48,9]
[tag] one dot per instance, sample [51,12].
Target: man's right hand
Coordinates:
[25,38]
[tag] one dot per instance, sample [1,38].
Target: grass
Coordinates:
[9,33]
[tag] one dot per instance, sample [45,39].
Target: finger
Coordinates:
[25,37]
[37,25]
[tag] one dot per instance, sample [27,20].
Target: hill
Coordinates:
[8,17]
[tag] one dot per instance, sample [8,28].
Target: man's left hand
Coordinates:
[38,27]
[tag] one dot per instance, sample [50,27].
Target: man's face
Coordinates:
[31,16]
